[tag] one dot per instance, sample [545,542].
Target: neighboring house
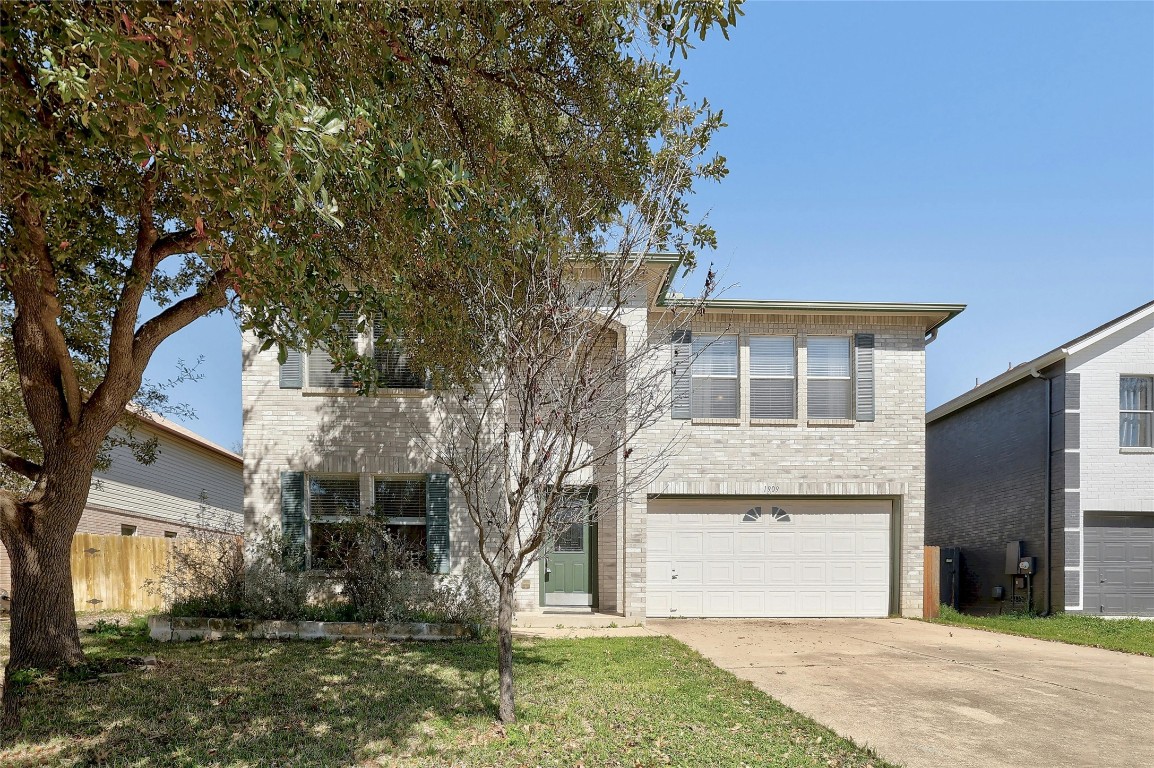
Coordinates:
[797,488]
[192,483]
[1065,439]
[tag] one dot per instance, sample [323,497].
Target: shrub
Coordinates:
[368,576]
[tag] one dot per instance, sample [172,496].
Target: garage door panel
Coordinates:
[841,573]
[688,542]
[781,543]
[719,545]
[874,543]
[688,572]
[718,572]
[750,573]
[750,543]
[812,543]
[843,543]
[823,558]
[812,573]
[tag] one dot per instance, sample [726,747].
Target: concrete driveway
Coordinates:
[929,695]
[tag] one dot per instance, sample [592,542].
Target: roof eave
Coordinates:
[1015,374]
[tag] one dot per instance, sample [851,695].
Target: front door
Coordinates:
[568,563]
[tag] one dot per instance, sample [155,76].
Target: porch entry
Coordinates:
[568,564]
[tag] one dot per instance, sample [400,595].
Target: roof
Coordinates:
[936,314]
[1029,368]
[161,424]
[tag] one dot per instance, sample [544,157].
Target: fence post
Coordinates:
[932,583]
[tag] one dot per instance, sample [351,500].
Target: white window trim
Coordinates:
[794,378]
[708,340]
[1122,411]
[423,520]
[322,519]
[848,419]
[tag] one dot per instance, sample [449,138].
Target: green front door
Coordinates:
[567,567]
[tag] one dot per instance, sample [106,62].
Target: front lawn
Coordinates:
[1128,635]
[592,702]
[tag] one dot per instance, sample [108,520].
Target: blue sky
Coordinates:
[999,155]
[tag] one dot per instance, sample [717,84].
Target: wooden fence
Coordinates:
[932,584]
[108,571]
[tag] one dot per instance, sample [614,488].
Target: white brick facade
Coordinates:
[294,429]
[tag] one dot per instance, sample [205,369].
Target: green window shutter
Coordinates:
[292,518]
[292,370]
[437,521]
[682,344]
[864,376]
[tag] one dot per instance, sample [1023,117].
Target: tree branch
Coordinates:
[19,464]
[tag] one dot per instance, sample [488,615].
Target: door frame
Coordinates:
[590,493]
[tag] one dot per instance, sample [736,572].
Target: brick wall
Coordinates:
[882,458]
[986,486]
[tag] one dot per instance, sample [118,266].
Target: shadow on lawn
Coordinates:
[268,703]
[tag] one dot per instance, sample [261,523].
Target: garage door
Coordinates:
[744,558]
[1119,569]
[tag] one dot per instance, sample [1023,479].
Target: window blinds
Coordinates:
[772,377]
[828,371]
[714,377]
[320,364]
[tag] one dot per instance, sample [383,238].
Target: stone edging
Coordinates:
[166,628]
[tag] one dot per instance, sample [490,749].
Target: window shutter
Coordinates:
[292,518]
[437,521]
[864,376]
[682,344]
[291,372]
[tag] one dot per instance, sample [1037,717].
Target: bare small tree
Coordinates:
[575,372]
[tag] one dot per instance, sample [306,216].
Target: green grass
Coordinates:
[646,701]
[1127,635]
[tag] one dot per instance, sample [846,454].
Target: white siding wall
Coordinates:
[1109,478]
[185,483]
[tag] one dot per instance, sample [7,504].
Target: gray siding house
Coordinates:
[797,488]
[192,482]
[1057,453]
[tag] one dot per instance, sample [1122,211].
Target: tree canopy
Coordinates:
[287,159]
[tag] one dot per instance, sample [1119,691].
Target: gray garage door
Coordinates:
[1119,564]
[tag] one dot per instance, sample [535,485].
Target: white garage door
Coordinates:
[743,558]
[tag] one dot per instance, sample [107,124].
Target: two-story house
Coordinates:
[1056,457]
[796,488]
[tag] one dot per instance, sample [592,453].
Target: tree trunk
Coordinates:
[38,536]
[505,709]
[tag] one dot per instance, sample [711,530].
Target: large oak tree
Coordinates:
[283,160]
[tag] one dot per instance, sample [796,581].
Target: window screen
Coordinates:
[402,504]
[1136,411]
[320,364]
[392,363]
[400,498]
[772,377]
[828,377]
[334,496]
[714,377]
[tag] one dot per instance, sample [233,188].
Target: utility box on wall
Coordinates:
[950,576]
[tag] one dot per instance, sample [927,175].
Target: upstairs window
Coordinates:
[772,378]
[713,377]
[829,377]
[392,363]
[320,364]
[1136,412]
